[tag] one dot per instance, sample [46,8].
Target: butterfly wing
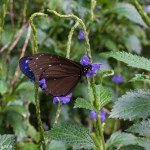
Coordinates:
[61,86]
[61,74]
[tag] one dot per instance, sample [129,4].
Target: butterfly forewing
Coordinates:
[61,74]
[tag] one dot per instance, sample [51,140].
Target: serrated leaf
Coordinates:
[142,128]
[144,142]
[103,95]
[57,145]
[130,59]
[140,77]
[133,105]
[72,135]
[132,147]
[119,138]
[82,103]
[7,142]
[128,11]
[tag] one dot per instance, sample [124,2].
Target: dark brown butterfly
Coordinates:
[61,74]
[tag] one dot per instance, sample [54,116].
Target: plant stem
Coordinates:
[70,38]
[101,130]
[141,12]
[38,115]
[83,27]
[57,113]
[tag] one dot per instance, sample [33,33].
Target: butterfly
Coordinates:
[59,74]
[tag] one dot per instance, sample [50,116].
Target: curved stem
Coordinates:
[141,12]
[83,27]
[70,38]
[35,44]
[38,115]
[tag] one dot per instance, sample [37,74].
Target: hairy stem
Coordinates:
[38,115]
[141,12]
[70,38]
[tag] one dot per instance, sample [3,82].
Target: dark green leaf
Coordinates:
[82,103]
[72,135]
[118,138]
[133,105]
[130,59]
[132,147]
[142,128]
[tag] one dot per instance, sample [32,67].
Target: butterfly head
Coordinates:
[85,70]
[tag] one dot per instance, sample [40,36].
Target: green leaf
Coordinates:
[7,142]
[134,44]
[118,138]
[56,145]
[130,59]
[133,105]
[132,147]
[82,103]
[142,128]
[103,95]
[72,135]
[144,142]
[140,77]
[3,87]
[128,11]
[16,121]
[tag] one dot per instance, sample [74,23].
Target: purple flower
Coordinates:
[81,35]
[117,79]
[65,99]
[95,66]
[102,115]
[42,83]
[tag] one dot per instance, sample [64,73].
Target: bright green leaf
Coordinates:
[7,142]
[133,105]
[3,87]
[103,95]
[82,103]
[118,138]
[128,11]
[142,128]
[144,142]
[56,145]
[130,59]
[72,135]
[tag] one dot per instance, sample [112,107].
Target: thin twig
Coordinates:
[22,54]
[12,15]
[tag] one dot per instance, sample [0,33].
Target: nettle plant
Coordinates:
[133,106]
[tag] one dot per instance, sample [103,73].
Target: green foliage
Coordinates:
[132,147]
[144,142]
[140,77]
[7,142]
[142,128]
[103,95]
[128,11]
[82,103]
[133,105]
[130,59]
[72,135]
[15,120]
[3,87]
[56,145]
[118,138]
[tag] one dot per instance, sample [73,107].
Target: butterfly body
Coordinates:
[61,74]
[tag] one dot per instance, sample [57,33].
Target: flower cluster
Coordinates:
[42,83]
[95,66]
[102,115]
[81,35]
[117,79]
[65,99]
